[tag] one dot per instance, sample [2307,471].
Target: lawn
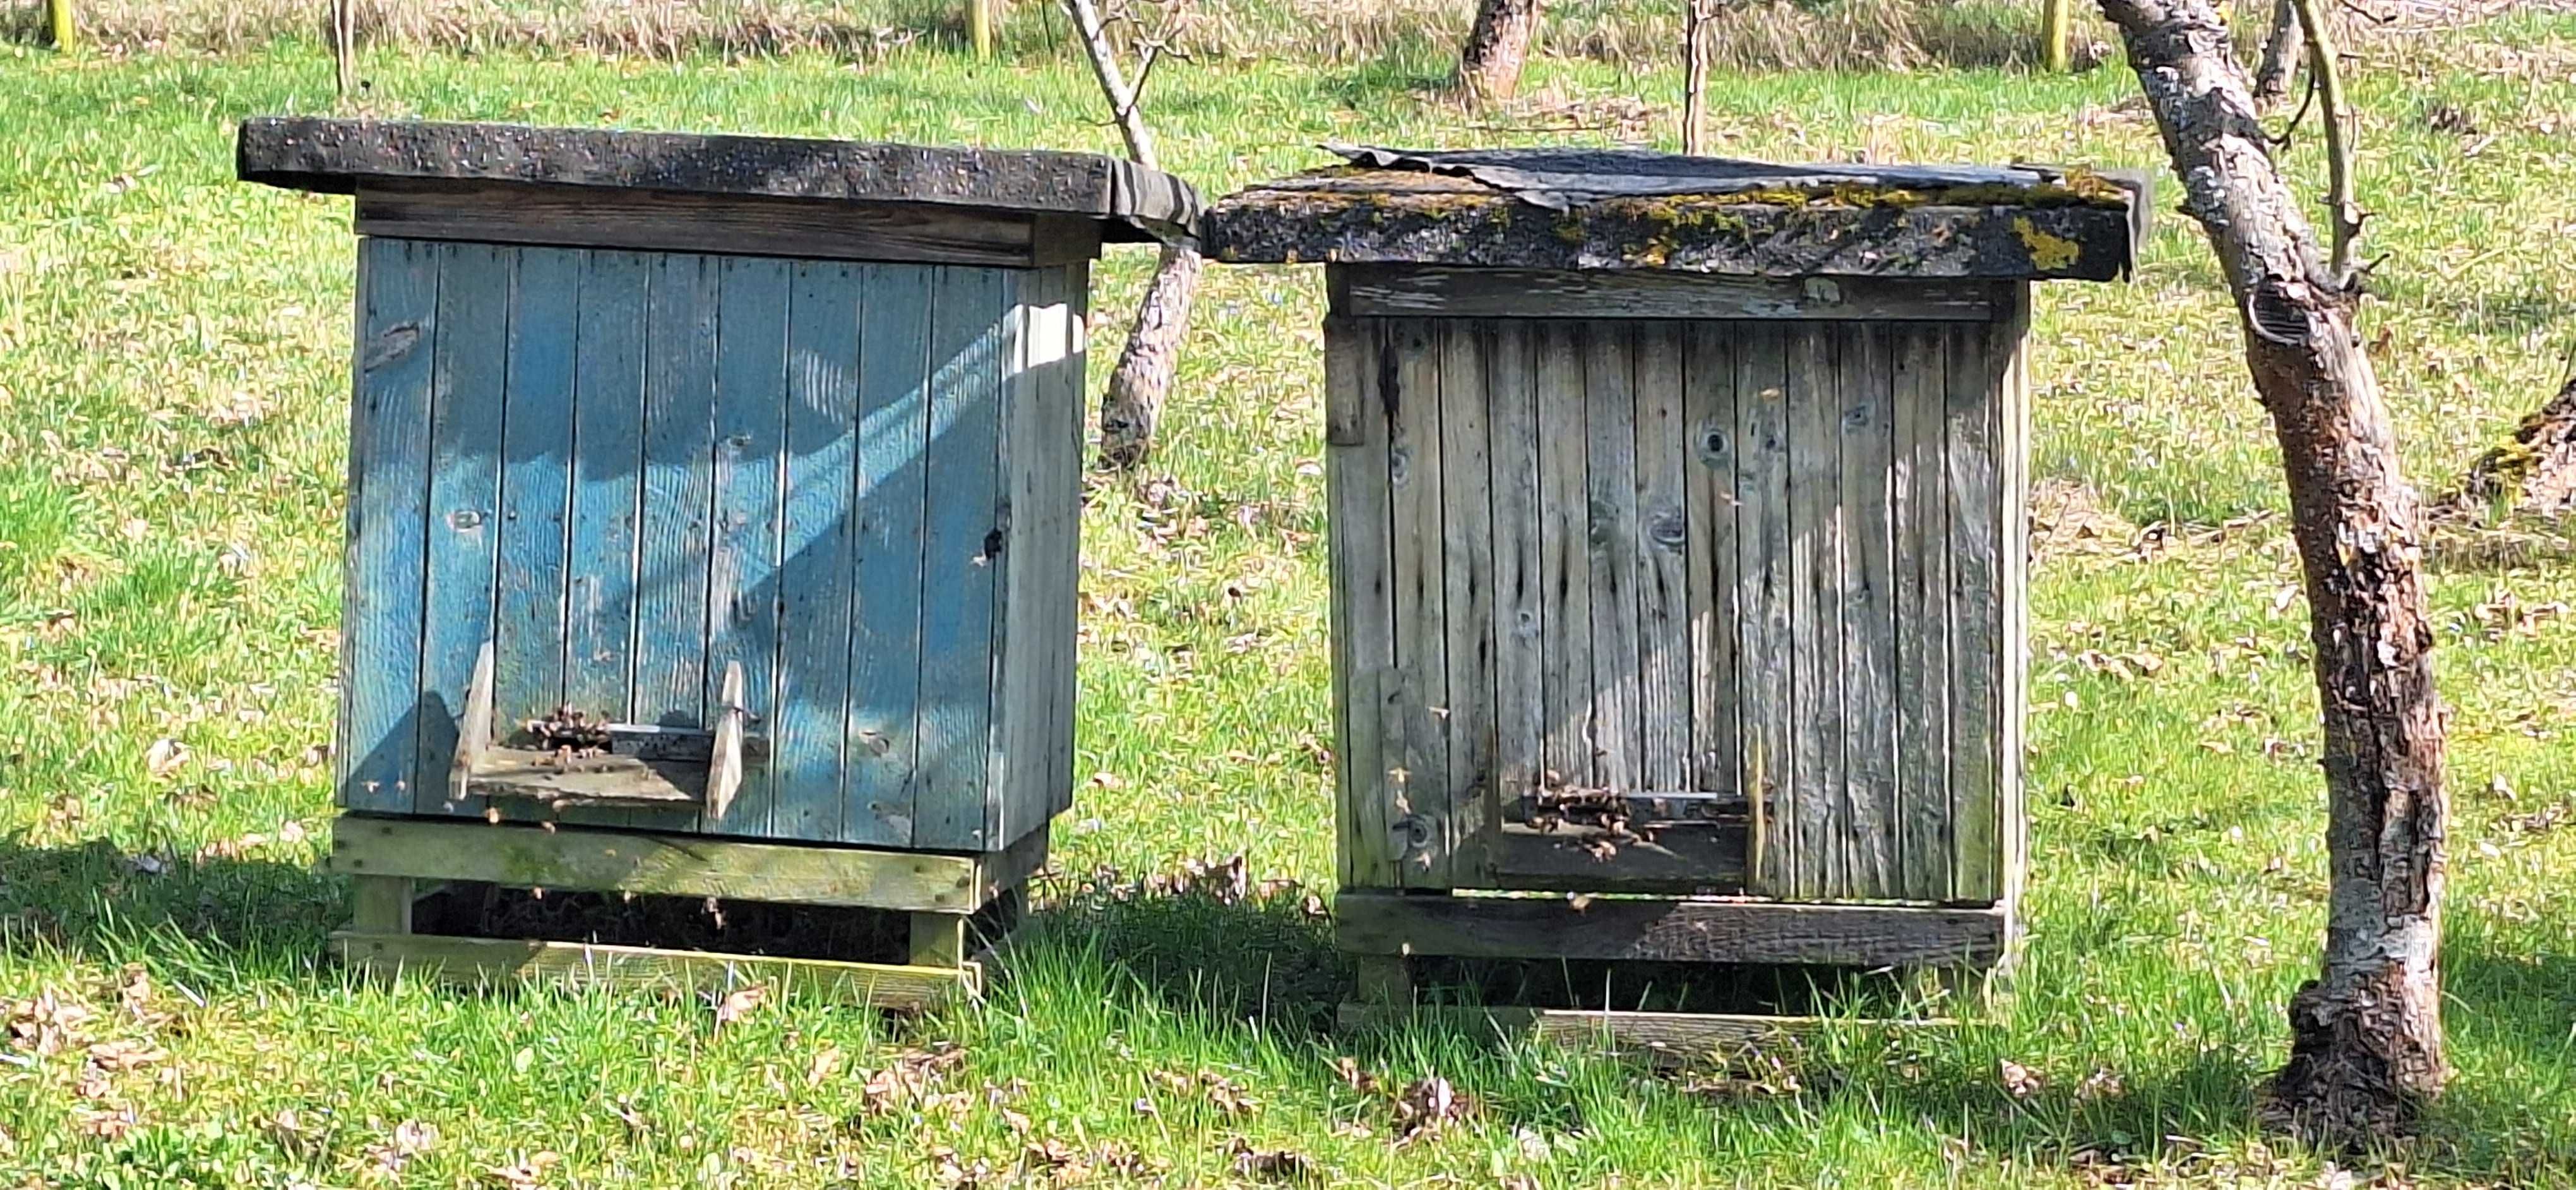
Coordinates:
[173,381]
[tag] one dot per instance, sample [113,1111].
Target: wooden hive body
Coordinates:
[1677,585]
[763,452]
[625,469]
[1677,547]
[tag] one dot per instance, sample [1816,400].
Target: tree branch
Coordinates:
[2325,72]
[1113,82]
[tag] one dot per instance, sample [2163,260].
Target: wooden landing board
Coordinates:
[612,861]
[497,961]
[1668,930]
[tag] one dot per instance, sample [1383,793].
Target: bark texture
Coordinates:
[1498,45]
[2282,52]
[1133,405]
[2366,1048]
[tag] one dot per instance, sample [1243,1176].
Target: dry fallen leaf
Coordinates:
[740,1002]
[1427,1106]
[2021,1082]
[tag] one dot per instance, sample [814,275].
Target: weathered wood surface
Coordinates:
[1718,559]
[1363,599]
[501,962]
[1397,291]
[974,340]
[1458,223]
[1666,930]
[378,745]
[628,472]
[520,856]
[809,229]
[332,155]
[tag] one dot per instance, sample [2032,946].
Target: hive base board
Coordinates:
[1956,951]
[952,910]
[1670,929]
[596,860]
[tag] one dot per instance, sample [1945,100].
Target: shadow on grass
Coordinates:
[1261,958]
[218,916]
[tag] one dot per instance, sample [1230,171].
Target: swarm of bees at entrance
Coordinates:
[1555,804]
[570,735]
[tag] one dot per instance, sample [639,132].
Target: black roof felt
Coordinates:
[335,156]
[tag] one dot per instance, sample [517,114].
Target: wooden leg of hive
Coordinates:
[1384,979]
[383,905]
[938,939]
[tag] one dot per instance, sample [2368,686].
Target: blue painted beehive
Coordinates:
[714,485]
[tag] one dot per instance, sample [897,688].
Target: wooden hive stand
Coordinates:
[953,908]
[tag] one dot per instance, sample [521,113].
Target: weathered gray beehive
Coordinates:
[1677,543]
[714,486]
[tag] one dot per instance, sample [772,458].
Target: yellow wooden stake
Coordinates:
[58,16]
[979,26]
[2056,31]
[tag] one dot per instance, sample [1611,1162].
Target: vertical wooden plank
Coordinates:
[961,559]
[1922,541]
[1363,597]
[470,373]
[1421,598]
[817,427]
[1763,581]
[1815,611]
[886,525]
[742,566]
[1068,486]
[601,545]
[1039,523]
[381,904]
[679,491]
[1565,555]
[388,523]
[1520,662]
[536,488]
[1467,570]
[1976,617]
[1708,411]
[1869,615]
[2008,337]
[1610,391]
[1663,561]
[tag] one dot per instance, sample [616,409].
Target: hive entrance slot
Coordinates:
[603,763]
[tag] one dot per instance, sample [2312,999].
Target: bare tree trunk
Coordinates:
[2057,35]
[1498,45]
[2366,1035]
[1132,406]
[344,46]
[1698,14]
[2281,54]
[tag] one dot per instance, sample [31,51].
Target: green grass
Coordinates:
[172,404]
